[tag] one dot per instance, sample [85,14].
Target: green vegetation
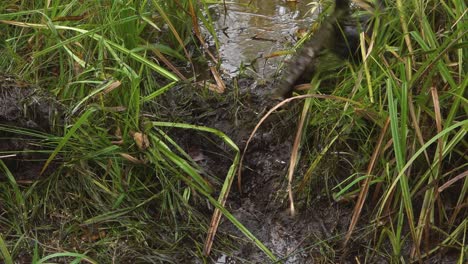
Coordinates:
[403,133]
[109,197]
[106,197]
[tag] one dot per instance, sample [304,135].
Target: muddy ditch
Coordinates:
[316,233]
[248,34]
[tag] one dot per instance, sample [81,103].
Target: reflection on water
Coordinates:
[251,29]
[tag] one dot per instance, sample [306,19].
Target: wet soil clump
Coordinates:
[27,115]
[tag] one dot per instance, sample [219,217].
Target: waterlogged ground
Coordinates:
[262,206]
[248,35]
[251,33]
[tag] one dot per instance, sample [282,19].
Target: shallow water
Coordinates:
[251,30]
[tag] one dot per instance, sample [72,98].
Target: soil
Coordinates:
[32,112]
[316,233]
[263,204]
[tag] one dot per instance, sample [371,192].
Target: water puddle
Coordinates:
[250,30]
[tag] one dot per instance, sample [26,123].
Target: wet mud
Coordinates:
[248,36]
[263,204]
[27,115]
[316,233]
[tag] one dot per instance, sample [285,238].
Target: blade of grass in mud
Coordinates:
[106,84]
[293,159]
[157,93]
[227,183]
[24,132]
[180,150]
[78,257]
[224,191]
[398,131]
[350,185]
[243,229]
[4,250]
[308,174]
[20,202]
[182,164]
[112,215]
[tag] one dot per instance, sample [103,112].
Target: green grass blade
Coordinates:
[77,256]
[68,135]
[4,250]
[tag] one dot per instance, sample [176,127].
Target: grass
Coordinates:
[110,197]
[408,138]
[117,188]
